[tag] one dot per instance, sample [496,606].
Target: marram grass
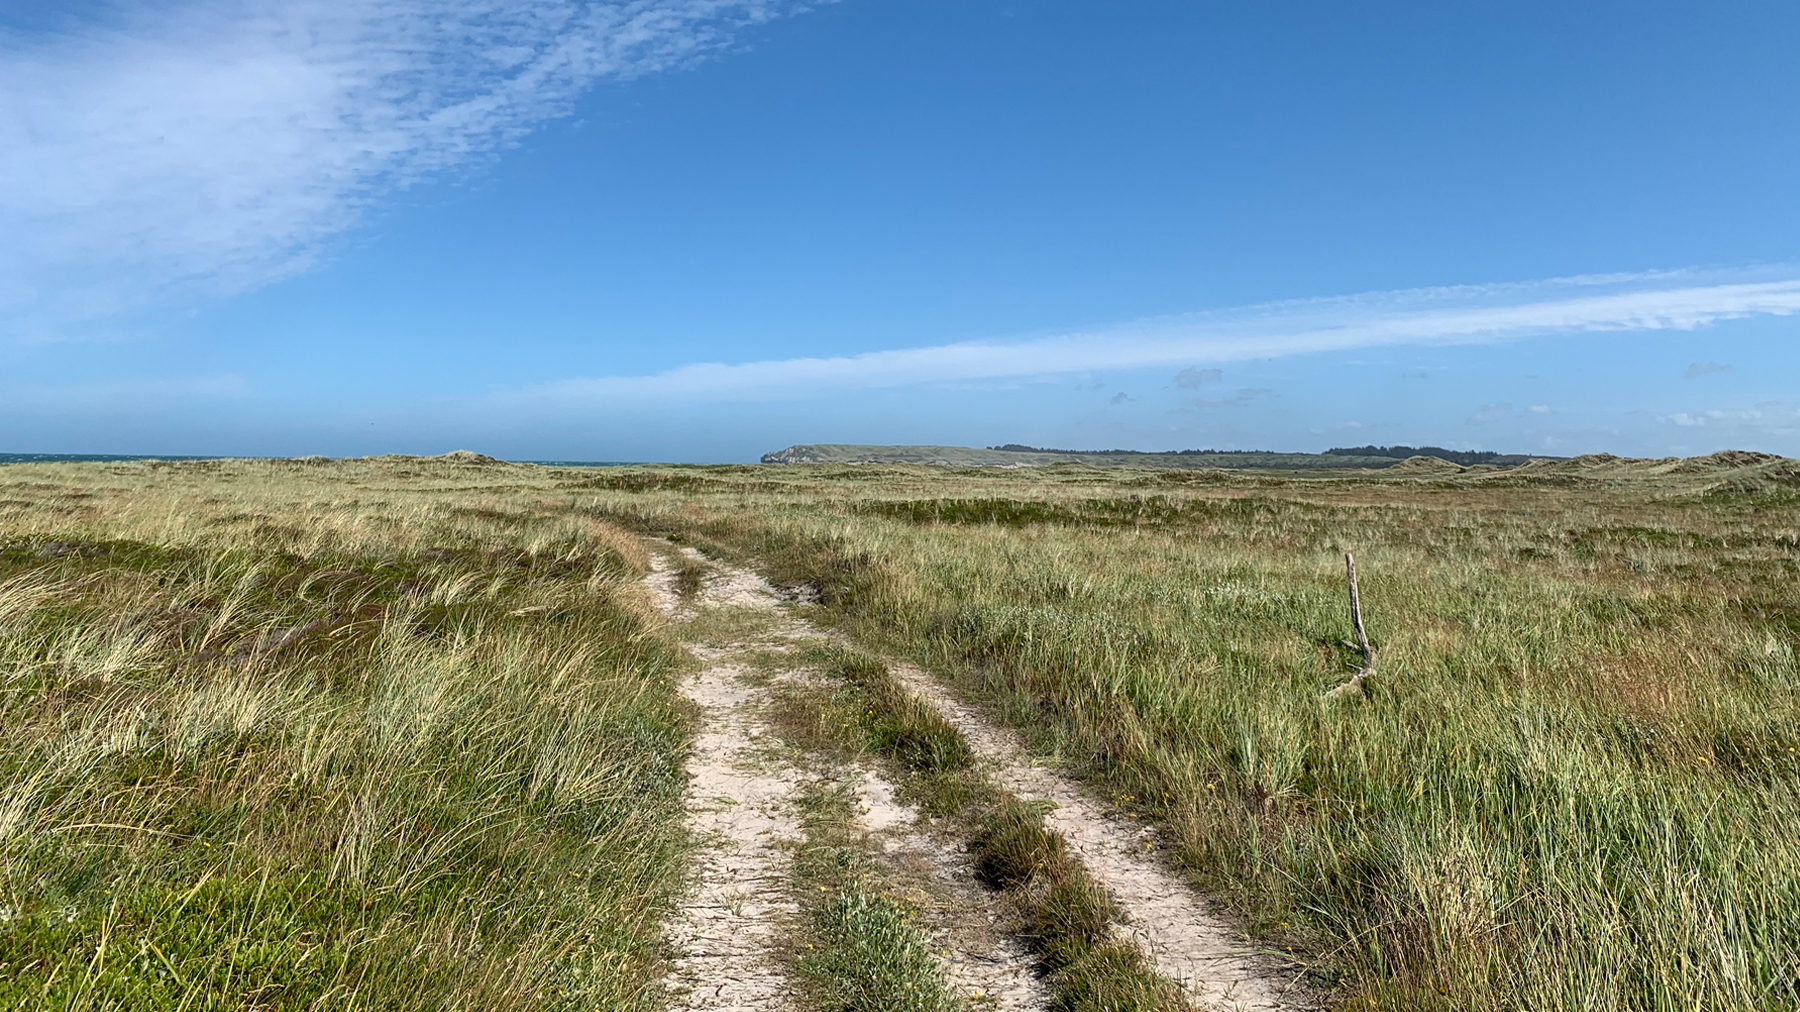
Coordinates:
[391,734]
[271,738]
[1573,782]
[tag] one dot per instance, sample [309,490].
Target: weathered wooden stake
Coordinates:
[1362,639]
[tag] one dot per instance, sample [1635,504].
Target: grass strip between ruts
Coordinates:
[1066,915]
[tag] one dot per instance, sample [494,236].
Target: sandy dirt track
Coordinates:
[739,801]
[739,798]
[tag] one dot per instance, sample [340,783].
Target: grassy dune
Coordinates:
[290,736]
[1571,786]
[393,734]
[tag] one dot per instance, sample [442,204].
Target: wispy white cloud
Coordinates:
[1770,418]
[1191,379]
[1672,300]
[217,145]
[1492,411]
[1696,370]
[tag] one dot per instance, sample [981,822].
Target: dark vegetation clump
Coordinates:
[1067,915]
[1463,457]
[690,576]
[897,723]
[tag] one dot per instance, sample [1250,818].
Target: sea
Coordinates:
[39,458]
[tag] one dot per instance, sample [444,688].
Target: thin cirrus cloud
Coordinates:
[1699,369]
[1666,300]
[214,146]
[1769,418]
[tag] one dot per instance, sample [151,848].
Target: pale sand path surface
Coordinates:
[739,801]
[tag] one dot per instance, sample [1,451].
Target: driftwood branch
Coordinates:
[1367,667]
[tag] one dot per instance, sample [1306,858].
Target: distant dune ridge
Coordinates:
[1724,471]
[1015,455]
[468,457]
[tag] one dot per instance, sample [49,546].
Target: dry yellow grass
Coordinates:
[394,733]
[1573,784]
[283,735]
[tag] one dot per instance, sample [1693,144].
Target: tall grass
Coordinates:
[1572,786]
[271,737]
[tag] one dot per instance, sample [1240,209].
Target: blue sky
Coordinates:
[701,229]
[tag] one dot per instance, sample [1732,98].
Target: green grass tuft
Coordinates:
[871,957]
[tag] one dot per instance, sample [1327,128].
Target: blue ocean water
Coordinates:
[38,458]
[33,458]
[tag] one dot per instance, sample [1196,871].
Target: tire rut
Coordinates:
[1212,961]
[738,801]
